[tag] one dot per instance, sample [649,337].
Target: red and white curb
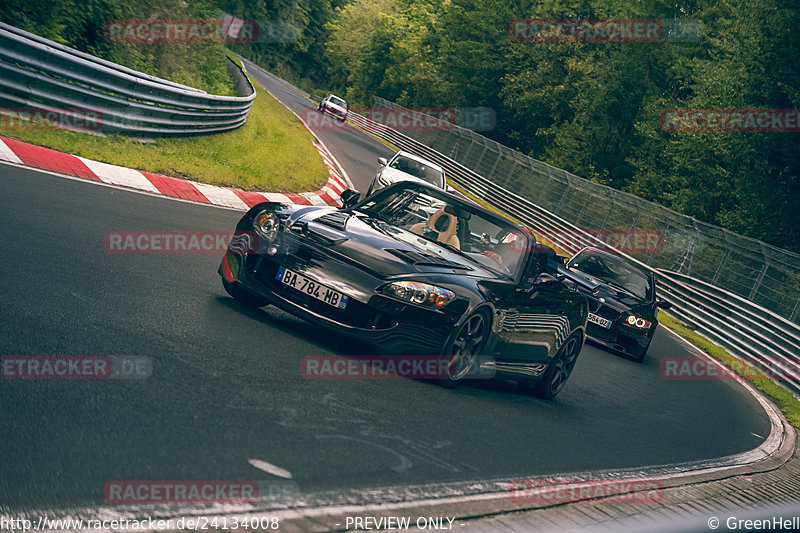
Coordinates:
[22,153]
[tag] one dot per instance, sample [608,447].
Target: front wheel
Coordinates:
[465,347]
[243,295]
[559,370]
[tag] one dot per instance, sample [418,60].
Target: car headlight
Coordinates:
[637,322]
[383,181]
[419,293]
[266,224]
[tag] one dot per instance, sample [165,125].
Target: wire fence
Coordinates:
[759,272]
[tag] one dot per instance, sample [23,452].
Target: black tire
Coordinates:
[559,370]
[465,347]
[243,295]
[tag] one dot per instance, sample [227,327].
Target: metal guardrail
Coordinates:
[41,76]
[747,330]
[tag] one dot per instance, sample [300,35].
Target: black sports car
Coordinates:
[622,300]
[413,269]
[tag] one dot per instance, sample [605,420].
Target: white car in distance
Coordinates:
[404,166]
[335,106]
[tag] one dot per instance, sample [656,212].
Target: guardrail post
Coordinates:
[608,215]
[563,197]
[721,266]
[757,284]
[544,189]
[633,228]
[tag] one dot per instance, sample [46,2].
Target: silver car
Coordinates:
[407,167]
[335,106]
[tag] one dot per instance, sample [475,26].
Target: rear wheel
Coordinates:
[465,347]
[559,370]
[243,295]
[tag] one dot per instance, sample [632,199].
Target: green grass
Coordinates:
[785,400]
[273,151]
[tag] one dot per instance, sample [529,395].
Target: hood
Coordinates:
[393,176]
[597,288]
[383,250]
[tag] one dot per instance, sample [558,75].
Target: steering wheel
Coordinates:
[497,259]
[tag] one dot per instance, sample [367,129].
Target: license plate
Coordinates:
[600,321]
[312,288]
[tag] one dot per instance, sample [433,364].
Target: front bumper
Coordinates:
[386,324]
[341,115]
[620,336]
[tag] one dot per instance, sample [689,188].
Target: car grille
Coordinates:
[603,310]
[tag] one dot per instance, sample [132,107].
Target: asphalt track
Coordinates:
[226,385]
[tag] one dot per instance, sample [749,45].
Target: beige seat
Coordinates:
[445,224]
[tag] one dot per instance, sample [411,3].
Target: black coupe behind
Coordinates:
[622,300]
[413,269]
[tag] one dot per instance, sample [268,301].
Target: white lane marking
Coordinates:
[313,198]
[111,185]
[220,195]
[6,154]
[116,175]
[270,468]
[277,197]
[336,185]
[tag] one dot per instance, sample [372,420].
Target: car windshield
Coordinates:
[491,243]
[335,100]
[418,169]
[614,271]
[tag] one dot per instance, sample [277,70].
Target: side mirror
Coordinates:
[449,189]
[663,304]
[382,161]
[563,259]
[545,283]
[350,197]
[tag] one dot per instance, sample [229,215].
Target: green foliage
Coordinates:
[594,108]
[80,24]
